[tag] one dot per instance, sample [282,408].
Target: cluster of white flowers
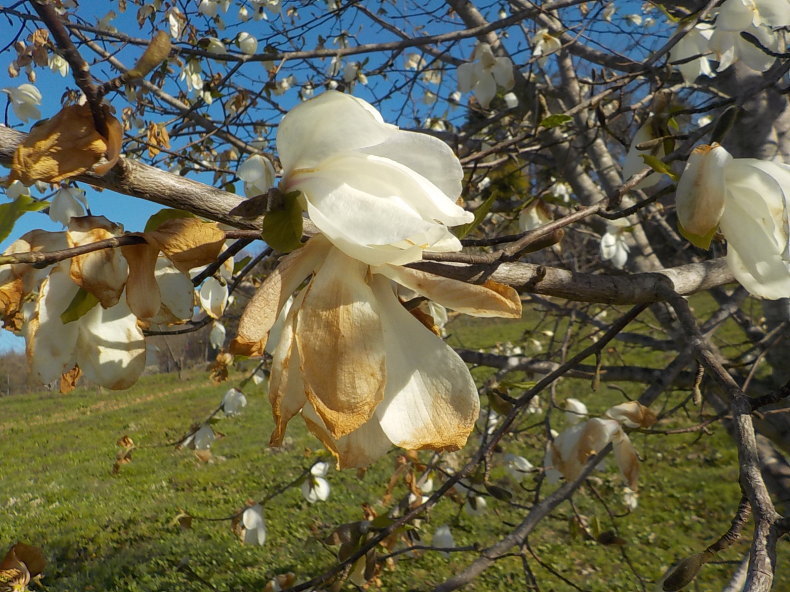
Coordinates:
[721,39]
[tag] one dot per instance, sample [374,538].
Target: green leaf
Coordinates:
[163,216]
[241,264]
[480,213]
[82,302]
[11,212]
[499,493]
[519,385]
[282,229]
[659,166]
[556,120]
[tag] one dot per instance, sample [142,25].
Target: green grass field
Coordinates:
[118,532]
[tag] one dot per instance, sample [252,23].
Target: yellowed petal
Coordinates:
[286,386]
[263,308]
[341,344]
[490,299]
[700,193]
[632,414]
[142,291]
[626,458]
[355,450]
[430,400]
[188,242]
[102,273]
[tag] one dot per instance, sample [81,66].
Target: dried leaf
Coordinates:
[69,379]
[65,146]
[188,242]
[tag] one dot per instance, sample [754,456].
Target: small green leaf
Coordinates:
[163,216]
[499,493]
[480,213]
[282,229]
[556,120]
[82,302]
[659,166]
[241,264]
[382,521]
[11,212]
[528,384]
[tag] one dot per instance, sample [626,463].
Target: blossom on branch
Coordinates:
[749,201]
[25,100]
[484,73]
[363,372]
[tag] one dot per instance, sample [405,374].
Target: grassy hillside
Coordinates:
[105,531]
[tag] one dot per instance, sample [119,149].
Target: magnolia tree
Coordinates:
[388,161]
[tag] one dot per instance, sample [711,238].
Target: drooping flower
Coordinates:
[517,466]
[315,487]
[247,43]
[443,539]
[67,203]
[691,52]
[575,410]
[233,401]
[24,101]
[484,73]
[58,64]
[217,335]
[253,531]
[730,47]
[749,201]
[614,247]
[543,45]
[258,174]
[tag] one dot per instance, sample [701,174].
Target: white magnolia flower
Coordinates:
[247,43]
[284,85]
[24,101]
[614,247]
[217,335]
[543,45]
[214,297]
[16,188]
[475,505]
[261,6]
[192,74]
[316,487]
[214,45]
[511,100]
[443,539]
[58,64]
[484,73]
[380,194]
[177,22]
[748,200]
[630,498]
[259,376]
[692,50]
[567,454]
[244,14]
[634,19]
[533,216]
[730,47]
[517,466]
[739,15]
[608,12]
[254,526]
[575,410]
[67,203]
[258,175]
[233,402]
[208,7]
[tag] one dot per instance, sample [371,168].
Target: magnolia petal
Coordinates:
[213,297]
[111,347]
[102,273]
[431,400]
[485,90]
[188,242]
[632,414]
[217,335]
[700,191]
[490,299]
[634,163]
[374,201]
[502,70]
[432,159]
[142,291]
[254,525]
[177,294]
[358,449]
[50,342]
[466,77]
[263,308]
[575,410]
[315,489]
[754,225]
[330,123]
[286,387]
[627,460]
[341,344]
